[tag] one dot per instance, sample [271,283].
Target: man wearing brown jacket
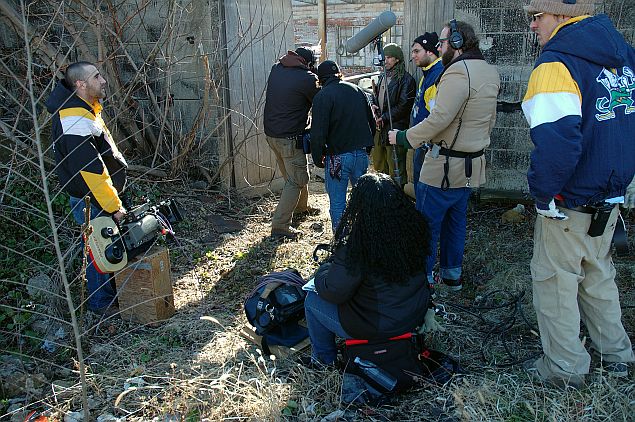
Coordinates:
[459,127]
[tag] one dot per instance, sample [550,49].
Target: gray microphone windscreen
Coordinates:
[375,28]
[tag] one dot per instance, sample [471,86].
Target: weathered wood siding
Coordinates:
[257,34]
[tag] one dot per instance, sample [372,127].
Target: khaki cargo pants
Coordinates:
[294,168]
[381,157]
[574,279]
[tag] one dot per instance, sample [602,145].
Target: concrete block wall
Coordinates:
[508,43]
[502,27]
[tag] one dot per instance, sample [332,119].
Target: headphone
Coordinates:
[455,39]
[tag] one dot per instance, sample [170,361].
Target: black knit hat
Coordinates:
[428,41]
[306,54]
[327,68]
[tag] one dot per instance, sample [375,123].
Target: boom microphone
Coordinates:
[375,28]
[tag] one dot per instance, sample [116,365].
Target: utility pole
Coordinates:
[322,28]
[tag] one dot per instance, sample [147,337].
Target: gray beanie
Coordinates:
[561,7]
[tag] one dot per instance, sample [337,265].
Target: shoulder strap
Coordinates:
[261,305]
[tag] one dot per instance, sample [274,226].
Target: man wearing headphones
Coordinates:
[458,127]
[580,106]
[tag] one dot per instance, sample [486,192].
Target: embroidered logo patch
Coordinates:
[620,88]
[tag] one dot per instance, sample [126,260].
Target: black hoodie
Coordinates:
[290,90]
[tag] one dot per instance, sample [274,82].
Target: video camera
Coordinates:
[112,243]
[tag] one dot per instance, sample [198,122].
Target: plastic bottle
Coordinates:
[372,371]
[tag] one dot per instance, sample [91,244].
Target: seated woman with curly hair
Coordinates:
[374,285]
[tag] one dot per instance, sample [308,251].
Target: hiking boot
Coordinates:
[574,381]
[307,212]
[615,369]
[290,233]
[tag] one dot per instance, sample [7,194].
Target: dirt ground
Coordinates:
[196,366]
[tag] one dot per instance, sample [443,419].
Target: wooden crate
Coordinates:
[144,288]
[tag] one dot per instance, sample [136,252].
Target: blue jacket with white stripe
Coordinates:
[580,105]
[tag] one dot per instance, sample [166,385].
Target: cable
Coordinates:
[499,329]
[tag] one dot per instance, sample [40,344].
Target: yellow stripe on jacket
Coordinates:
[103,190]
[430,97]
[551,95]
[77,112]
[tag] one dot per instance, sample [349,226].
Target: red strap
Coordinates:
[401,337]
[354,342]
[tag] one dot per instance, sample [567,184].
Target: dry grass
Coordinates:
[193,369]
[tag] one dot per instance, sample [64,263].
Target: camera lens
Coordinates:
[107,232]
[114,253]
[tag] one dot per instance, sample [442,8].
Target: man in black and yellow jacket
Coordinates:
[88,161]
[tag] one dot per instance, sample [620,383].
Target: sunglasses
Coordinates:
[441,41]
[535,16]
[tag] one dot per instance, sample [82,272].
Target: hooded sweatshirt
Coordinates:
[580,106]
[290,90]
[88,161]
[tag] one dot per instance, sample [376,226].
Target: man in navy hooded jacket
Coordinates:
[580,105]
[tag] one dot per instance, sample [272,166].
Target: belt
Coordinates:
[468,156]
[460,154]
[582,209]
[620,239]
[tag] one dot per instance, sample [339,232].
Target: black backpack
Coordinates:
[394,365]
[274,308]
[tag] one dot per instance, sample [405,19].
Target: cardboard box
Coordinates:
[144,288]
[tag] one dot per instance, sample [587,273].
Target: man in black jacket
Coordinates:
[88,161]
[290,90]
[342,129]
[400,88]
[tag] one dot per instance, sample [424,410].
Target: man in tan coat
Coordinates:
[458,126]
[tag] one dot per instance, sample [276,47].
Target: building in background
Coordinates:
[343,20]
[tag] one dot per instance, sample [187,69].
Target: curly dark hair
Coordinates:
[384,234]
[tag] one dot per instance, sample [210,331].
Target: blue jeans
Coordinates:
[446,212]
[417,163]
[323,321]
[354,165]
[101,289]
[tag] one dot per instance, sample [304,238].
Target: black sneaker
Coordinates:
[454,285]
[616,369]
